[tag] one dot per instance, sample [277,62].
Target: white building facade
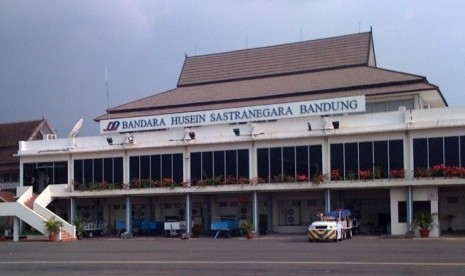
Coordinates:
[272,135]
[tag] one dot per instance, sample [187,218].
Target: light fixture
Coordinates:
[309,126]
[237,131]
[192,135]
[110,141]
[131,139]
[336,124]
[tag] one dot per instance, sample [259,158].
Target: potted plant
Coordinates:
[247,227]
[80,227]
[52,227]
[424,221]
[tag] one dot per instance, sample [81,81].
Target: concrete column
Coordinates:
[72,203]
[326,162]
[252,161]
[187,167]
[270,214]
[16,229]
[126,179]
[188,214]
[128,216]
[255,212]
[327,201]
[209,214]
[410,209]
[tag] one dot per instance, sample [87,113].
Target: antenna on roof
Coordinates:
[75,131]
[108,90]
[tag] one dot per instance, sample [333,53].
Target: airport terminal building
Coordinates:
[271,135]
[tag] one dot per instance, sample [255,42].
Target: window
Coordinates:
[39,175]
[389,106]
[222,167]
[156,167]
[430,152]
[100,170]
[284,164]
[418,207]
[367,159]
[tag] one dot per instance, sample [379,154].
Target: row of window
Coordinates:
[47,172]
[99,170]
[429,152]
[362,160]
[283,164]
[358,160]
[40,174]
[157,167]
[9,177]
[220,167]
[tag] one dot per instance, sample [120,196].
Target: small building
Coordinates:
[10,135]
[271,135]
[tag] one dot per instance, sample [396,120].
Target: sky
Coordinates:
[66,60]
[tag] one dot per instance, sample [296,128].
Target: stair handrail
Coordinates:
[44,199]
[20,210]
[23,193]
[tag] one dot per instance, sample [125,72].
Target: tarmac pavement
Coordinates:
[270,255]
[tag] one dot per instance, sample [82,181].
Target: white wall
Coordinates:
[419,194]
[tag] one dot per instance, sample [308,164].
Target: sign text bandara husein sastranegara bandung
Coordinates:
[236,115]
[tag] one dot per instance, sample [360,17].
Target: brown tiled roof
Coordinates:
[12,133]
[307,56]
[318,69]
[6,196]
[351,81]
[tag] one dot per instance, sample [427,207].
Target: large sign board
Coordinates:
[236,115]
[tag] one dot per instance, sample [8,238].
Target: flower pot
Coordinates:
[52,237]
[249,235]
[424,233]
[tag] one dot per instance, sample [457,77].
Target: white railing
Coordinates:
[39,214]
[18,209]
[44,199]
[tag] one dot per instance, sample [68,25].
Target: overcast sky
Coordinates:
[53,54]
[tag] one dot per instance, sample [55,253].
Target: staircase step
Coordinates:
[30,202]
[65,236]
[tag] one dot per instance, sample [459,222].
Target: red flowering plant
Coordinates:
[301,178]
[103,185]
[365,174]
[318,178]
[439,170]
[228,180]
[199,182]
[244,180]
[456,171]
[423,172]
[135,183]
[335,175]
[289,179]
[168,182]
[277,179]
[398,173]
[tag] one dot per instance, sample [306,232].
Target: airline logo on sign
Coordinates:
[236,115]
